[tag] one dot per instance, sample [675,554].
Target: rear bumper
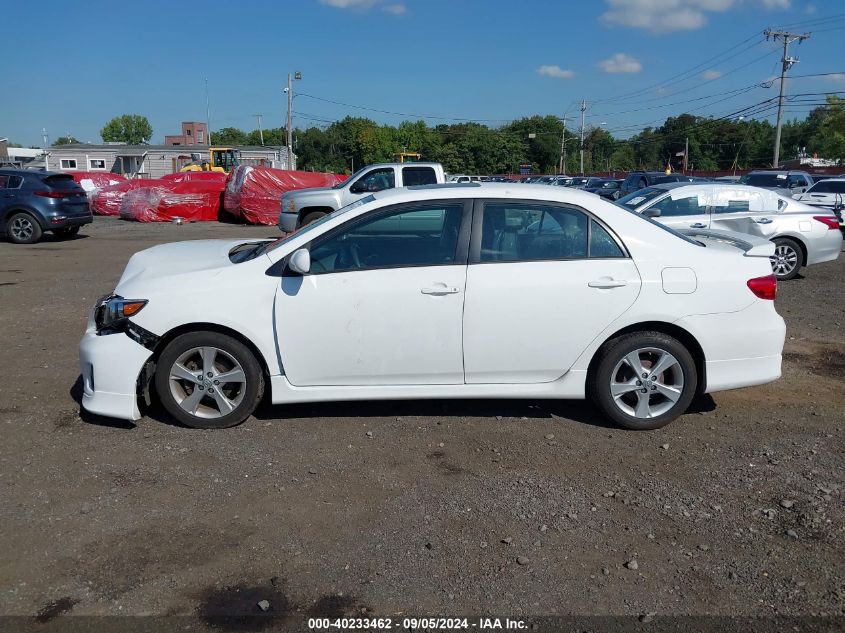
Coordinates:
[110,366]
[51,222]
[825,248]
[741,349]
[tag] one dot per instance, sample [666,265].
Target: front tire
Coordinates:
[208,380]
[644,380]
[312,217]
[786,262]
[22,228]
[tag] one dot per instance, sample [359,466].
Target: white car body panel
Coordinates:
[372,334]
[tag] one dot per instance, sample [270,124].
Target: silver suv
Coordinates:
[786,182]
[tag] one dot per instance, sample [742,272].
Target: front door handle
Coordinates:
[607,282]
[763,221]
[440,289]
[698,225]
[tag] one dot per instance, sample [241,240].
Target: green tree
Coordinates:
[829,140]
[229,136]
[66,140]
[132,129]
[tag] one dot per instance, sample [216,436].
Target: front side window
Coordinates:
[422,235]
[4,181]
[376,180]
[529,232]
[681,204]
[68,163]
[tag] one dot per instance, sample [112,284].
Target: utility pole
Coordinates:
[289,90]
[207,116]
[686,154]
[260,132]
[788,62]
[583,109]
[561,169]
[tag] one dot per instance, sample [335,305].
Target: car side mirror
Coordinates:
[652,213]
[358,187]
[300,261]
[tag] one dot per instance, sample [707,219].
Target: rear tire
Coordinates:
[208,380]
[67,233]
[22,228]
[786,262]
[312,217]
[634,397]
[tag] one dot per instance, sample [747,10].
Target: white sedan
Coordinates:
[442,291]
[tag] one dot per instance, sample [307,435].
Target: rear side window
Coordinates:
[527,232]
[413,176]
[4,181]
[601,243]
[63,183]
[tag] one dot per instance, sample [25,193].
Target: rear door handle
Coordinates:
[763,221]
[607,282]
[440,289]
[698,225]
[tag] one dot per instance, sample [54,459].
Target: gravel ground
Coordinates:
[521,508]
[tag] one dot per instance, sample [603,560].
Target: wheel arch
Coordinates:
[35,215]
[187,328]
[683,336]
[305,211]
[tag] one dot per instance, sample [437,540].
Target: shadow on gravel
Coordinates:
[91,418]
[575,410]
[244,608]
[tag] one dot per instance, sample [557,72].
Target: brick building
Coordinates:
[193,133]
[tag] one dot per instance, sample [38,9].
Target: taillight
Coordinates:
[58,194]
[831,221]
[764,287]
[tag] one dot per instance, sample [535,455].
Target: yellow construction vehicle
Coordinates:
[222,159]
[406,157]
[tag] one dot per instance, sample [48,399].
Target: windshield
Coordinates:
[639,197]
[764,180]
[343,183]
[828,186]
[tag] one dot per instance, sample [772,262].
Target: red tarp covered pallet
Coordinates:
[193,201]
[254,193]
[106,201]
[93,180]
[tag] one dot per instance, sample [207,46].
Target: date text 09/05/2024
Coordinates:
[417,623]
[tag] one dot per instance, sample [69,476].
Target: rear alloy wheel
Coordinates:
[644,380]
[786,262]
[23,229]
[67,233]
[208,380]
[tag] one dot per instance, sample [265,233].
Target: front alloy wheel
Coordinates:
[644,380]
[208,380]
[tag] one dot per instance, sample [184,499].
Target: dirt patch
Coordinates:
[55,608]
[825,362]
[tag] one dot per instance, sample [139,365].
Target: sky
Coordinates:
[69,66]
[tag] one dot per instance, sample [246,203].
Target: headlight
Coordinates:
[114,309]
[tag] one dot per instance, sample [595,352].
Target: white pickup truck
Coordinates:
[303,206]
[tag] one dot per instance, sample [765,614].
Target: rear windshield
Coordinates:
[640,197]
[828,186]
[61,182]
[764,180]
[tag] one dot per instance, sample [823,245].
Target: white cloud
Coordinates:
[620,63]
[555,71]
[665,16]
[711,74]
[838,78]
[396,8]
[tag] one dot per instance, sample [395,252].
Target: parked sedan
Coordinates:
[35,202]
[827,194]
[802,235]
[605,187]
[513,292]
